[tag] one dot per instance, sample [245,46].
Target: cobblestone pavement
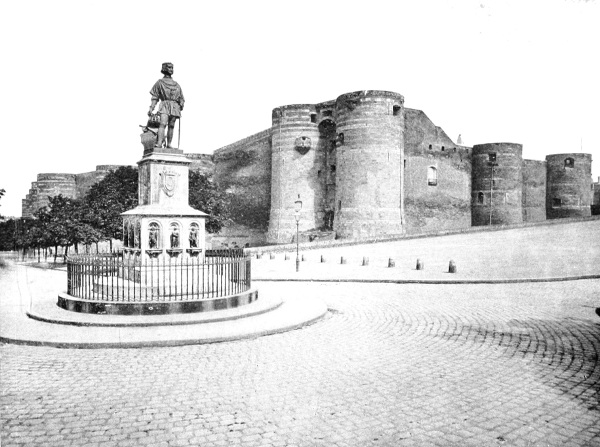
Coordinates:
[391,365]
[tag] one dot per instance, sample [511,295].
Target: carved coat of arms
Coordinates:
[168,182]
[303,145]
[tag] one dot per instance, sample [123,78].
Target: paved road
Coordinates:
[392,365]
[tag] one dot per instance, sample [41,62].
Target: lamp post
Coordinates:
[492,165]
[297,209]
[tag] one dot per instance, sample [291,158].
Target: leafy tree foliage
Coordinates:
[107,199]
[67,222]
[205,196]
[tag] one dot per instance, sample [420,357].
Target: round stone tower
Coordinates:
[370,127]
[497,184]
[569,183]
[295,169]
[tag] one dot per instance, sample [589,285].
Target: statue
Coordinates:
[171,104]
[193,236]
[174,236]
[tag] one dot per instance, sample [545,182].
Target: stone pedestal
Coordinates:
[163,225]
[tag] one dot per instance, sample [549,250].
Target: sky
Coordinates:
[76,74]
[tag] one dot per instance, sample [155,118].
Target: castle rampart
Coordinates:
[437,178]
[534,191]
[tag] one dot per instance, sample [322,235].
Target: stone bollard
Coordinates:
[286,257]
[322,258]
[365,261]
[452,267]
[343,260]
[391,263]
[420,265]
[271,255]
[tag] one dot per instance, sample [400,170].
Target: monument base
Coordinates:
[71,303]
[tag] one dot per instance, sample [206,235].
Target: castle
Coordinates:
[366,166]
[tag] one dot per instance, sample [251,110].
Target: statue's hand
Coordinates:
[149,112]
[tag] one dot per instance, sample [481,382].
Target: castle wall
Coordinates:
[296,172]
[73,186]
[569,190]
[502,183]
[596,198]
[201,162]
[243,169]
[368,184]
[443,202]
[534,191]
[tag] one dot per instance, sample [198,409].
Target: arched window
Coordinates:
[194,235]
[137,234]
[154,239]
[131,235]
[174,235]
[126,234]
[569,162]
[432,176]
[480,198]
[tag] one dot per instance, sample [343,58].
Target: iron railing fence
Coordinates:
[124,277]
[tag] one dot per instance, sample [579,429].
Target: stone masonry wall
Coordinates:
[440,203]
[534,191]
[243,169]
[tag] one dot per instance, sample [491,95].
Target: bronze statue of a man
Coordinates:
[171,103]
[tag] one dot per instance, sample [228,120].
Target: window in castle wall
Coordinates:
[313,117]
[443,148]
[319,173]
[492,157]
[327,113]
[339,205]
[569,162]
[432,176]
[480,198]
[556,202]
[332,169]
[430,147]
[396,110]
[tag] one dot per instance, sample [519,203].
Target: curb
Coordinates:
[38,317]
[435,281]
[162,343]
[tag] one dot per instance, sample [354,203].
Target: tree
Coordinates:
[205,196]
[107,199]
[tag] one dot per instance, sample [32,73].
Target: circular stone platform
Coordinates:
[74,304]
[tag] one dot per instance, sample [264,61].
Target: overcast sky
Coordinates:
[76,74]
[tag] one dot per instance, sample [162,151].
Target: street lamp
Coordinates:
[297,209]
[492,165]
